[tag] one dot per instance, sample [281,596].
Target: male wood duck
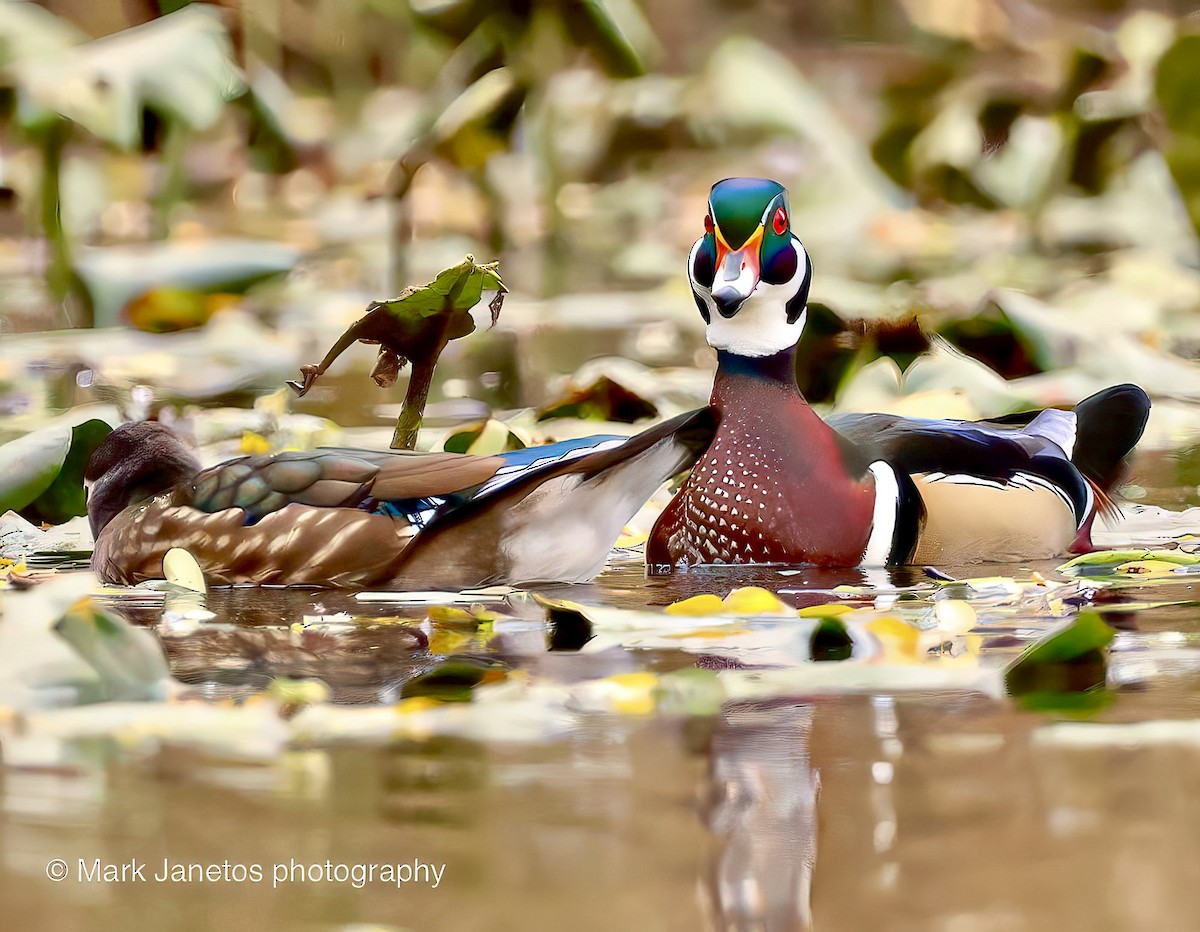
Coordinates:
[343,517]
[780,485]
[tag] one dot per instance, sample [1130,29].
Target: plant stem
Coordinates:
[58,269]
[409,422]
[174,181]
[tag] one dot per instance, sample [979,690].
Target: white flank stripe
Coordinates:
[883,519]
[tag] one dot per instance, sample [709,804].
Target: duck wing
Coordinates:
[990,453]
[332,478]
[553,518]
[1101,431]
[398,483]
[1075,451]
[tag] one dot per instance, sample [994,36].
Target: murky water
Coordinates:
[926,811]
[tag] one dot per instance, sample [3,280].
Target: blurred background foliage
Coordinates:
[1001,197]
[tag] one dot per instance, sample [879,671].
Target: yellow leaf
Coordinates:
[460,617]
[632,693]
[491,440]
[697,605]
[298,692]
[754,600]
[1148,568]
[416,704]
[824,610]
[447,642]
[9,567]
[631,538]
[254,444]
[897,637]
[563,604]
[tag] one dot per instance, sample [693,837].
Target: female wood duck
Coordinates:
[780,485]
[357,518]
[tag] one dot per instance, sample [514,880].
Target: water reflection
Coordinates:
[763,813]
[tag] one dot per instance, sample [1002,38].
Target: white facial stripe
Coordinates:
[776,201]
[704,293]
[760,327]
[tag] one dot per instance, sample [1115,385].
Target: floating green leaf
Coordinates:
[453,680]
[1120,567]
[1117,557]
[1067,672]
[830,640]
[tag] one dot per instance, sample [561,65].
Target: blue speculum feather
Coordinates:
[517,464]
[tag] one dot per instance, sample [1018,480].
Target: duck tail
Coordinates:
[1104,502]
[1108,426]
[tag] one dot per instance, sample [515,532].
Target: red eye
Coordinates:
[708,223]
[779,224]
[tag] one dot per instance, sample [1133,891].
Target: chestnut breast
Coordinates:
[773,487]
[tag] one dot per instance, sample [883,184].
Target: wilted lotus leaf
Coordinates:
[28,30]
[415,327]
[1175,84]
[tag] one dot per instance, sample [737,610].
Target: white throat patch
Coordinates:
[760,327]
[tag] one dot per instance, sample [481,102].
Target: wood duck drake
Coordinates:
[780,485]
[341,517]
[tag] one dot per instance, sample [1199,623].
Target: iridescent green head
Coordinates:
[749,273]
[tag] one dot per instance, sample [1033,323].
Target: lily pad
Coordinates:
[129,660]
[41,474]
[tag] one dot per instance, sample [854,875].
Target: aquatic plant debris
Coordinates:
[1133,567]
[995,635]
[414,327]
